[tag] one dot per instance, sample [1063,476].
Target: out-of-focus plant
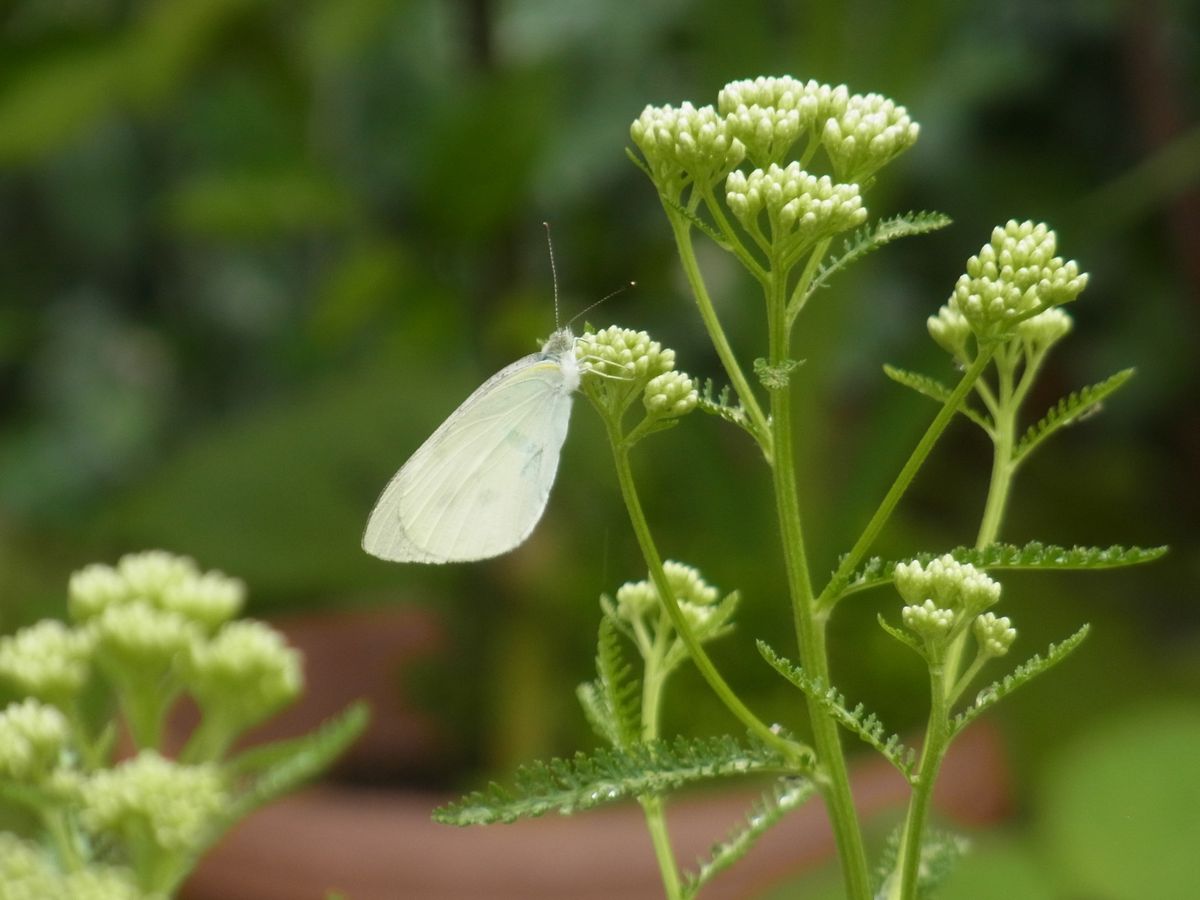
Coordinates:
[741,174]
[143,634]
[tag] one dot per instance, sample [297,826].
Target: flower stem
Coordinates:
[810,630]
[691,269]
[852,559]
[653,681]
[790,749]
[937,739]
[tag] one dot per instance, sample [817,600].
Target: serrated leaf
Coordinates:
[588,780]
[934,390]
[858,721]
[1072,408]
[786,794]
[720,405]
[1034,555]
[619,690]
[901,635]
[271,770]
[1019,677]
[868,239]
[940,853]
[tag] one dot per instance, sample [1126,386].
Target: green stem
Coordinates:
[810,630]
[790,749]
[852,559]
[691,269]
[652,805]
[937,739]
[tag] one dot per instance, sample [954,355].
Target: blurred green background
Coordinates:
[252,252]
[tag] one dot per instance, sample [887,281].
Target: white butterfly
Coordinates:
[479,484]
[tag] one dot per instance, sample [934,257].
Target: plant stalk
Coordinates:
[810,630]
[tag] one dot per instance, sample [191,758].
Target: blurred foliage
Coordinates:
[252,252]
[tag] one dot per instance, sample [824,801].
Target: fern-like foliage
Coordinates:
[612,702]
[1073,408]
[858,721]
[935,390]
[785,795]
[267,772]
[723,405]
[587,780]
[940,852]
[1019,677]
[1034,555]
[868,239]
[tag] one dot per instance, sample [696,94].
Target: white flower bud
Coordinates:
[995,635]
[670,394]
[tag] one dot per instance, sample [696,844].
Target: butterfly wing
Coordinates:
[478,486]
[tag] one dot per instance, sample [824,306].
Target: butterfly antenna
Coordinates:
[553,271]
[606,297]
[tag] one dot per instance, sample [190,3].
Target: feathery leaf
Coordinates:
[613,701]
[870,238]
[720,405]
[1020,676]
[785,795]
[1074,407]
[282,766]
[866,725]
[1034,555]
[588,780]
[934,390]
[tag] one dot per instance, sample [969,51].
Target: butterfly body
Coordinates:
[479,484]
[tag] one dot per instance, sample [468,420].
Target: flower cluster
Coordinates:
[47,660]
[697,599]
[32,737]
[681,143]
[622,353]
[244,674]
[867,134]
[1013,275]
[27,874]
[174,804]
[670,394]
[801,208]
[768,115]
[944,595]
[762,119]
[161,580]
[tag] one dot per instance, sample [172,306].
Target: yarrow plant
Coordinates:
[774,174]
[143,634]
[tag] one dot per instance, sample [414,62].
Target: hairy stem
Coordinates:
[937,739]
[810,630]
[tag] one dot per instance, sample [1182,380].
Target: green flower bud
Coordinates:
[995,635]
[148,796]
[623,353]
[93,589]
[950,329]
[1015,273]
[32,738]
[137,642]
[48,660]
[670,394]
[150,574]
[688,585]
[801,208]
[210,599]
[1044,329]
[928,620]
[768,115]
[685,142]
[636,600]
[244,674]
[866,135]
